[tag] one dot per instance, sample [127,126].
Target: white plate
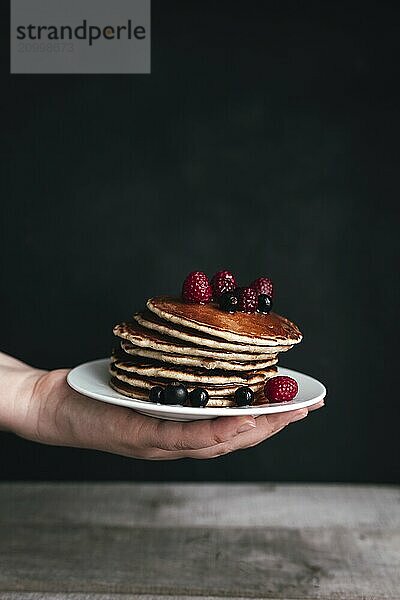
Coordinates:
[91,379]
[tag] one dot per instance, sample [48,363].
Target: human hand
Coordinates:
[57,415]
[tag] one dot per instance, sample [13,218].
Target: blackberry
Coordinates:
[228,302]
[198,397]
[264,304]
[175,393]
[244,396]
[156,394]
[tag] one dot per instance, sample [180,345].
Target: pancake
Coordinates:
[152,368]
[156,341]
[248,328]
[146,383]
[199,346]
[139,394]
[149,320]
[196,361]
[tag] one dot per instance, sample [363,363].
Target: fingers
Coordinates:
[144,437]
[266,427]
[172,435]
[197,435]
[170,440]
[316,406]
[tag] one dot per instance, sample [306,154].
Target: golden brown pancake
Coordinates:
[155,341]
[200,346]
[150,320]
[152,368]
[249,328]
[196,361]
[146,383]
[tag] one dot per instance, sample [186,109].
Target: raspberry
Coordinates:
[223,281]
[263,285]
[280,389]
[196,288]
[247,299]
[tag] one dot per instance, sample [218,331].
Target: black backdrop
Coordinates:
[265,140]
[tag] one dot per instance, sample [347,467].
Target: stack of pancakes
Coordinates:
[199,345]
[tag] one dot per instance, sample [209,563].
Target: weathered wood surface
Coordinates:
[153,541]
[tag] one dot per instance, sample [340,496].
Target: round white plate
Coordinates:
[91,379]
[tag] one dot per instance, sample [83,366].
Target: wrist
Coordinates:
[48,421]
[18,382]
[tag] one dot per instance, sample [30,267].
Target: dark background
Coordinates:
[264,141]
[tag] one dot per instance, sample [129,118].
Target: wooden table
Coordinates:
[166,541]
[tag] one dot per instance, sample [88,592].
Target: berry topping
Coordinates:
[198,397]
[280,389]
[223,281]
[156,394]
[247,299]
[264,304]
[228,302]
[263,285]
[196,288]
[244,396]
[175,393]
